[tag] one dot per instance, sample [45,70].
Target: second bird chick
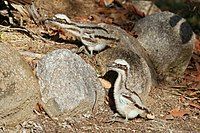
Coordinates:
[128,104]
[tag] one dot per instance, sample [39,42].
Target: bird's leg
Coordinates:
[115,116]
[126,120]
[83,48]
[112,118]
[91,53]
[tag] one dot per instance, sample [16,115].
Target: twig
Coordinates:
[26,31]
[9,28]
[186,97]
[31,54]
[151,6]
[179,86]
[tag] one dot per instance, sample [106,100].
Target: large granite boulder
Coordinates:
[69,85]
[168,40]
[19,89]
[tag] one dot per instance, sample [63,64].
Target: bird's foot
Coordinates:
[117,118]
[84,50]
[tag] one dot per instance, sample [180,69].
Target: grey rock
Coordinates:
[127,47]
[127,41]
[19,89]
[140,79]
[168,40]
[147,7]
[69,85]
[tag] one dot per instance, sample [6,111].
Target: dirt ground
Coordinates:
[161,102]
[176,108]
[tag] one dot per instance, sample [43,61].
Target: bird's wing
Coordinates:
[135,99]
[128,97]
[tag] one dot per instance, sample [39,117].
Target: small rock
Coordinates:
[69,86]
[106,84]
[168,40]
[150,116]
[19,88]
[169,117]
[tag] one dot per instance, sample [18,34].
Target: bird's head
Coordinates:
[59,18]
[120,66]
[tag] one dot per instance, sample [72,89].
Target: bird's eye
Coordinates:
[124,67]
[61,20]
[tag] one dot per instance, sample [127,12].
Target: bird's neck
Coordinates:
[119,84]
[119,89]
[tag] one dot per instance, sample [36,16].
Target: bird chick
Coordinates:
[128,104]
[93,36]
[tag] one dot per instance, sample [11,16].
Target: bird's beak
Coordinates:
[49,20]
[109,65]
